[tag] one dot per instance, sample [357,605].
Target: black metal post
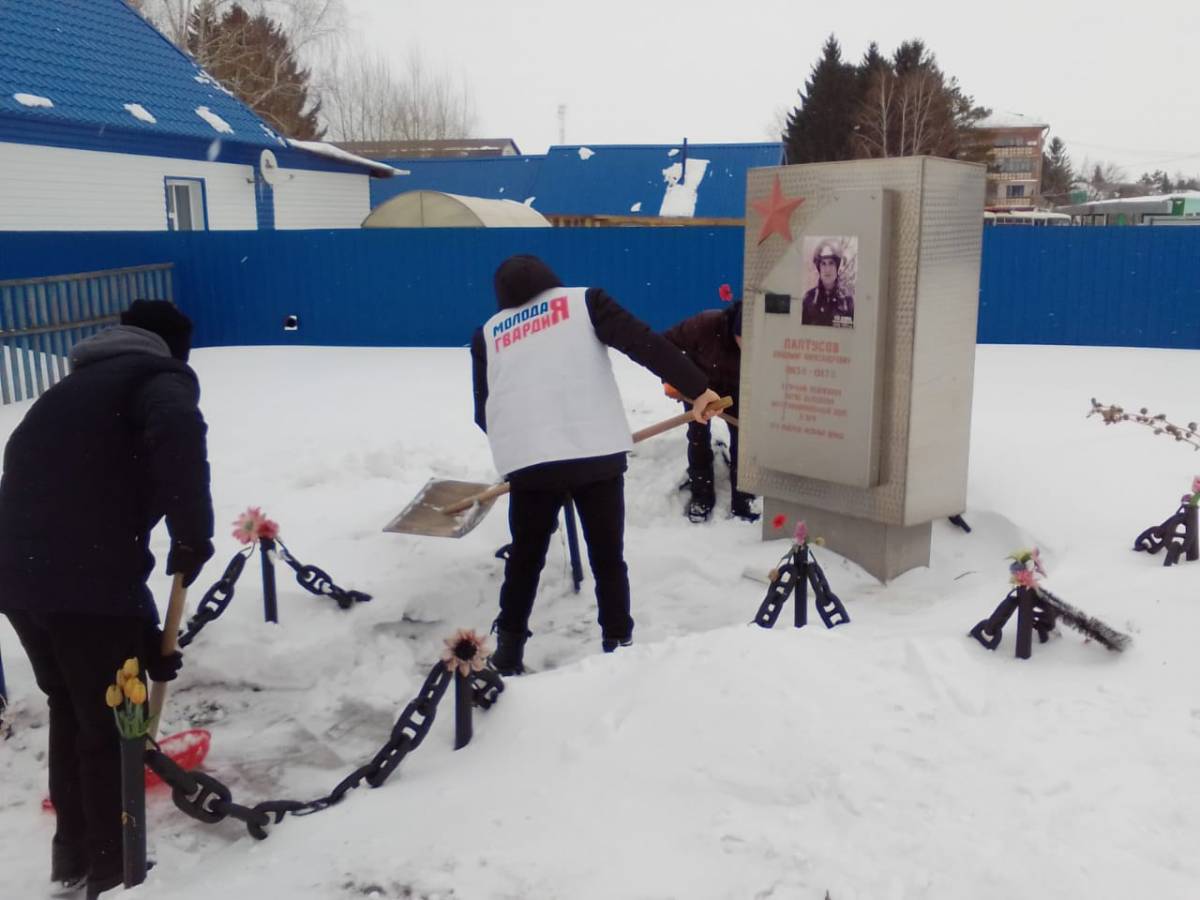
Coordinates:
[1024,623]
[270,607]
[800,598]
[573,544]
[463,700]
[1191,537]
[3,686]
[133,810]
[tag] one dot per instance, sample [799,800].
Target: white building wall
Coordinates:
[59,189]
[308,199]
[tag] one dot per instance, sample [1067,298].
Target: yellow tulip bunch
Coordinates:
[127,699]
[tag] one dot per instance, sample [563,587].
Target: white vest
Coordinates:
[551,391]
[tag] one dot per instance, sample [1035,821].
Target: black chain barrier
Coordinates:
[207,799]
[317,581]
[794,574]
[1179,535]
[216,598]
[1038,611]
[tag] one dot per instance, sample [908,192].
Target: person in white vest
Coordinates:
[546,397]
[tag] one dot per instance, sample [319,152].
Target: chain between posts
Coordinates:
[317,581]
[207,799]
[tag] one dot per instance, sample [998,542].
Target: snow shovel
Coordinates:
[453,508]
[170,641]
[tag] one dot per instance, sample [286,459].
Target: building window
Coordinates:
[1015,190]
[185,205]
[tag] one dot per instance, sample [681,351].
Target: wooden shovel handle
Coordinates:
[497,490]
[170,642]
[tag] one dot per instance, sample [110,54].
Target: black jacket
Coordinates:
[97,461]
[620,329]
[708,340]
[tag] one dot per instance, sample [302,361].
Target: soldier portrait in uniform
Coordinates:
[829,298]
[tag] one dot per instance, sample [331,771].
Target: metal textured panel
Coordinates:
[886,501]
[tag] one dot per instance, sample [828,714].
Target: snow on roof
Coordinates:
[140,113]
[1011,120]
[330,151]
[218,124]
[585,153]
[33,100]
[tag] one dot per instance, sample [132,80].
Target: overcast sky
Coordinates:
[1115,87]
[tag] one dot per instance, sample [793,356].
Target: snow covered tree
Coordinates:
[253,57]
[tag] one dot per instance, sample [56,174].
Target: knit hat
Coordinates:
[521,278]
[164,319]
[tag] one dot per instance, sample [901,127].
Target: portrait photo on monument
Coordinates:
[829,281]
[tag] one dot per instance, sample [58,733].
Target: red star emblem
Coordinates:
[775,213]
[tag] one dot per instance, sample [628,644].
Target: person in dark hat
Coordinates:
[546,397]
[97,461]
[713,341]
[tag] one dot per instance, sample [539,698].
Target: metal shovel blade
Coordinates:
[424,515]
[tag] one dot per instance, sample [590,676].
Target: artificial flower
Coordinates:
[779,521]
[465,652]
[725,292]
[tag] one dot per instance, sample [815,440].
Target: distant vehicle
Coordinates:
[1026,217]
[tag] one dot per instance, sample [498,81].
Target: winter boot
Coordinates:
[704,497]
[743,506]
[509,658]
[608,645]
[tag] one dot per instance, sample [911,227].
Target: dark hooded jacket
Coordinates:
[97,461]
[708,339]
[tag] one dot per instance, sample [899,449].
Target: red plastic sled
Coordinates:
[187,749]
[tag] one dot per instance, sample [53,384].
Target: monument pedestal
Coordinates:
[884,551]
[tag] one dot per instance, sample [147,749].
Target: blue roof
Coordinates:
[598,179]
[493,177]
[94,60]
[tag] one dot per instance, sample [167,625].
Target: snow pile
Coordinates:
[140,113]
[586,153]
[680,199]
[218,124]
[332,151]
[34,101]
[890,758]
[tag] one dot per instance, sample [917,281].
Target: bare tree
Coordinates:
[364,99]
[309,24]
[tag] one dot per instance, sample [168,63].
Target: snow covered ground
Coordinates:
[890,759]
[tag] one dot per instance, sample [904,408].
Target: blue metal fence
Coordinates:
[430,287]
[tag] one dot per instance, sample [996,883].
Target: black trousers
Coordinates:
[700,453]
[532,515]
[75,657]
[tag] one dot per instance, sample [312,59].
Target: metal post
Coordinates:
[1191,535]
[133,810]
[463,700]
[1024,623]
[266,547]
[800,597]
[573,544]
[3,688]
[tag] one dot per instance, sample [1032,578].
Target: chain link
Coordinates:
[317,581]
[207,799]
[216,598]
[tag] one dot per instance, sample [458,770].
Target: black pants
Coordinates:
[700,454]
[532,515]
[75,657]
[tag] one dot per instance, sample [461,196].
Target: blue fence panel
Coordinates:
[1132,286]
[1094,286]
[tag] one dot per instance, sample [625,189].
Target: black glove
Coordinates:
[160,667]
[188,559]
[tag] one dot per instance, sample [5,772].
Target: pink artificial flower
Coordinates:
[1196,485]
[465,652]
[245,526]
[252,526]
[725,292]
[1025,578]
[1035,557]
[779,521]
[801,535]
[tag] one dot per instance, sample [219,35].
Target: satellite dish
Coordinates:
[268,167]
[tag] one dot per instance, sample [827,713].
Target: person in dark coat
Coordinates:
[546,397]
[713,341]
[97,461]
